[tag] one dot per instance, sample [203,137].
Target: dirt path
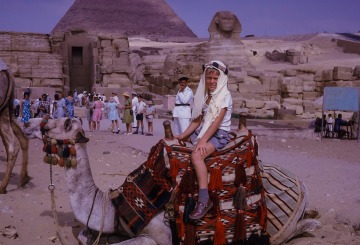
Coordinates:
[330,169]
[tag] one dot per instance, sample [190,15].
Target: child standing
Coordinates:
[212,109]
[97,113]
[113,114]
[150,114]
[330,123]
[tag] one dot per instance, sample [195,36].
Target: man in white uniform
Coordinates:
[79,98]
[182,111]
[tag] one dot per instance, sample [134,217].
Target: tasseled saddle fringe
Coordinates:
[215,210]
[262,215]
[174,168]
[240,175]
[256,184]
[240,227]
[219,236]
[215,183]
[249,160]
[187,184]
[240,205]
[190,234]
[180,227]
[239,201]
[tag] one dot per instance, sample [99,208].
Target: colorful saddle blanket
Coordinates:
[167,177]
[144,193]
[239,212]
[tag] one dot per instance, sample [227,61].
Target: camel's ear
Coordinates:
[67,124]
[81,121]
[80,137]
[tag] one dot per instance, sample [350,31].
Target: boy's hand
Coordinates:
[201,146]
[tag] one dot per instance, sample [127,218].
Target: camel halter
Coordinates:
[58,152]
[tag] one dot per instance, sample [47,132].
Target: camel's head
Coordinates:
[63,128]
[32,129]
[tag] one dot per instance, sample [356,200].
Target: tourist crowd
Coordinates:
[132,113]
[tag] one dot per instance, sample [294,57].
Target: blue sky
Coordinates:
[258,17]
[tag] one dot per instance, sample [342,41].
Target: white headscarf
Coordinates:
[217,99]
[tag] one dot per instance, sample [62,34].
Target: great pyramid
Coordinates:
[147,18]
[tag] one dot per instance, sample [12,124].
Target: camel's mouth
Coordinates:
[28,133]
[80,137]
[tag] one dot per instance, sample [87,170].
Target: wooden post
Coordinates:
[168,132]
[242,122]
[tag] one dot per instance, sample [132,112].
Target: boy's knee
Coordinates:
[195,157]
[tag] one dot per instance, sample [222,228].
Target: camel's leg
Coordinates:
[11,146]
[24,144]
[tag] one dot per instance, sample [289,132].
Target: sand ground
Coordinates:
[329,168]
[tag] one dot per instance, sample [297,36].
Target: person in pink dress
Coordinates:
[97,114]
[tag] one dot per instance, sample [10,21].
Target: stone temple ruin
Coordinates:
[104,46]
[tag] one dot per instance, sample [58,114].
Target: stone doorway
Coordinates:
[80,69]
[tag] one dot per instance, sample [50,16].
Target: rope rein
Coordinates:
[53,207]
[92,207]
[103,218]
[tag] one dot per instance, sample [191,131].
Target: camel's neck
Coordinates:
[82,190]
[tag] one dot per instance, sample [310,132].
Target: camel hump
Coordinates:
[6,88]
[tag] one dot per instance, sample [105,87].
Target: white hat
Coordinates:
[126,94]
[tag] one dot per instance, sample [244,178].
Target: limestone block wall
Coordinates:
[114,61]
[257,93]
[262,93]
[31,60]
[299,90]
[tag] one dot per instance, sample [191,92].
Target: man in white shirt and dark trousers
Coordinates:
[182,112]
[134,102]
[140,109]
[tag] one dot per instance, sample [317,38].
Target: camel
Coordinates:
[94,208]
[86,196]
[10,132]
